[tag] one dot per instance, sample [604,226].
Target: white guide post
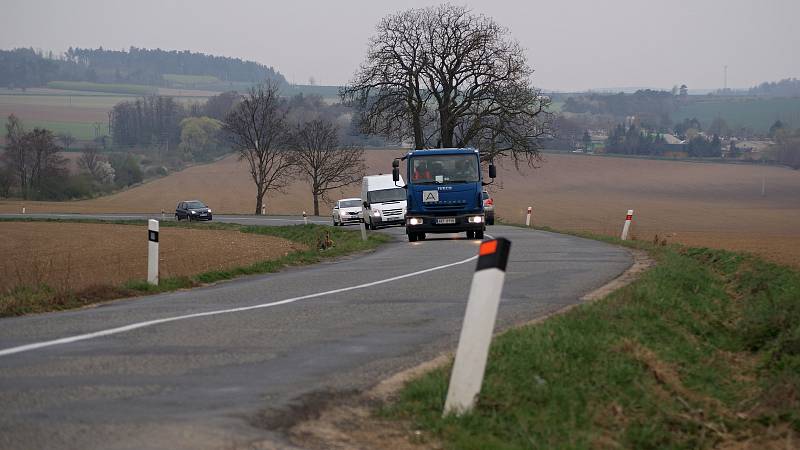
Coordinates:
[263,210]
[363,231]
[476,332]
[23,210]
[305,218]
[627,225]
[152,252]
[528,217]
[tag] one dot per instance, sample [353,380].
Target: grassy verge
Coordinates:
[702,351]
[37,299]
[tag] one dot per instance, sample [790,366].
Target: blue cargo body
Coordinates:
[444,192]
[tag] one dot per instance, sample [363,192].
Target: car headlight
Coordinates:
[415,221]
[475,219]
[209,210]
[194,212]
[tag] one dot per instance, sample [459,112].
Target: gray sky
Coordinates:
[572,44]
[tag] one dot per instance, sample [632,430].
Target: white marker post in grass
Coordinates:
[476,332]
[528,217]
[23,210]
[152,252]
[305,218]
[263,210]
[627,225]
[363,231]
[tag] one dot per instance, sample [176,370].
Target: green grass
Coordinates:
[702,349]
[119,88]
[756,113]
[36,299]
[79,130]
[190,79]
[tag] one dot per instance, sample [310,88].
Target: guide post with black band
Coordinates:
[476,332]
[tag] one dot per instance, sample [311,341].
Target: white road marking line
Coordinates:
[134,326]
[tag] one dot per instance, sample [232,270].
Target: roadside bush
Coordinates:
[126,170]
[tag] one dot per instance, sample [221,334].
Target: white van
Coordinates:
[384,203]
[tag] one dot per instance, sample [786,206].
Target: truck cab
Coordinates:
[444,193]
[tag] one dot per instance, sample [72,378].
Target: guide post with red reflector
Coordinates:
[476,331]
[305,218]
[528,217]
[627,225]
[152,252]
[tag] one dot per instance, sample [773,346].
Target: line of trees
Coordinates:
[633,141]
[26,67]
[443,76]
[31,167]
[278,151]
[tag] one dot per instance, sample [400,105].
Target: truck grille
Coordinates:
[445,207]
[392,212]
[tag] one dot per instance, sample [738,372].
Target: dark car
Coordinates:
[192,210]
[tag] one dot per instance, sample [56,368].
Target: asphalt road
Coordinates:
[237,360]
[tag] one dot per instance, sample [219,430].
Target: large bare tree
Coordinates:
[388,88]
[322,161]
[456,77]
[257,129]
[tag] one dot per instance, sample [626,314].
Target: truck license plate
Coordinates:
[446,220]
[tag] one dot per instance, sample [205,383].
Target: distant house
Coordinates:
[672,139]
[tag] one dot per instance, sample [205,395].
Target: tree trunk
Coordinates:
[259,202]
[316,204]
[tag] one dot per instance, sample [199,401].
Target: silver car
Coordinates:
[346,210]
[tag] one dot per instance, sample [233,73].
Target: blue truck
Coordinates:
[443,192]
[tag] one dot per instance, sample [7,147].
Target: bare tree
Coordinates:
[322,161]
[31,156]
[89,160]
[66,140]
[256,128]
[388,89]
[17,154]
[454,76]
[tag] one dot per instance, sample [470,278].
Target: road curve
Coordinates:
[244,355]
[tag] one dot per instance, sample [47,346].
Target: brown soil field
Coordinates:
[716,205]
[56,113]
[74,256]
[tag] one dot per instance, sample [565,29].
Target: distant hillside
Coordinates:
[24,67]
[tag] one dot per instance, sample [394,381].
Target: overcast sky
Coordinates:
[572,44]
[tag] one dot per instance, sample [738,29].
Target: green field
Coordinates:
[133,89]
[756,113]
[79,130]
[189,79]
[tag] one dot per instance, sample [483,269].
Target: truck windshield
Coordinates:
[444,169]
[387,195]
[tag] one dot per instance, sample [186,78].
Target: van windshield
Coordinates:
[387,195]
[444,169]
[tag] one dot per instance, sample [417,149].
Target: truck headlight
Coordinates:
[376,213]
[415,221]
[475,219]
